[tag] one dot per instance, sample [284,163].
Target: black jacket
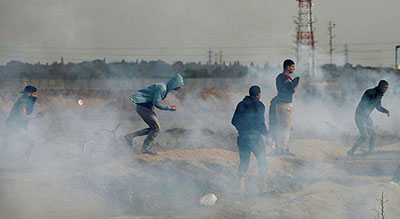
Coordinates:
[272,113]
[285,86]
[249,117]
[17,119]
[369,101]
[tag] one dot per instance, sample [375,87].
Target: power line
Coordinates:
[42,58]
[137,54]
[105,54]
[362,44]
[368,43]
[170,54]
[360,58]
[149,48]
[272,45]
[364,51]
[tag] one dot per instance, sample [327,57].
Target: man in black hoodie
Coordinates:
[249,120]
[369,101]
[17,122]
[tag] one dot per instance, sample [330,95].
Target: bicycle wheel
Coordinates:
[93,151]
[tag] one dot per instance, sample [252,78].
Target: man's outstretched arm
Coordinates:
[26,116]
[382,109]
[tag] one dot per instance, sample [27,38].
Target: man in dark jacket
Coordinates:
[17,122]
[369,101]
[249,120]
[286,87]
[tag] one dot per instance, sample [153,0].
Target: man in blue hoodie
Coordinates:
[146,100]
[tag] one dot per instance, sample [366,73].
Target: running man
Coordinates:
[16,127]
[146,100]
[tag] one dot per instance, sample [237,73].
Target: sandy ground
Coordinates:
[319,182]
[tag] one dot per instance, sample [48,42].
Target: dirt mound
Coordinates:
[213,93]
[318,149]
[314,183]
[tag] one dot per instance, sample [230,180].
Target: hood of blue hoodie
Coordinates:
[157,92]
[174,82]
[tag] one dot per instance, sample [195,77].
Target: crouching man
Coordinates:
[249,120]
[370,100]
[146,99]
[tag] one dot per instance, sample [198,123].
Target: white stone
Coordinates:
[208,200]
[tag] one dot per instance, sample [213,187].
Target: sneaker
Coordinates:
[149,151]
[129,141]
[287,152]
[290,154]
[394,183]
[370,152]
[273,153]
[261,186]
[278,151]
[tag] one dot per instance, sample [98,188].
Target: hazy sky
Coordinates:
[245,30]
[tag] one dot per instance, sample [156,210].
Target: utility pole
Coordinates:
[298,23]
[216,58]
[330,31]
[209,56]
[311,22]
[346,54]
[397,65]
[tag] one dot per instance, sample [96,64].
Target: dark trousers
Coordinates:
[13,136]
[396,177]
[247,144]
[150,118]
[365,126]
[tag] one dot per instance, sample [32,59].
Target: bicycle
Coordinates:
[102,150]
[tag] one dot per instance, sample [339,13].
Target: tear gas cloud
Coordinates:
[62,180]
